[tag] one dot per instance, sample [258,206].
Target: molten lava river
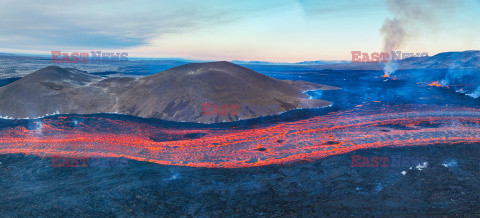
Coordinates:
[280,143]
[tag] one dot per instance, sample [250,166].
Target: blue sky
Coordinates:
[272,30]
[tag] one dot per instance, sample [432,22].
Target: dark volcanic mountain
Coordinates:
[176,94]
[52,90]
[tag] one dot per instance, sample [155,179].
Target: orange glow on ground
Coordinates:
[281,143]
[436,84]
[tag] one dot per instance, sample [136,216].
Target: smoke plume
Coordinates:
[409,17]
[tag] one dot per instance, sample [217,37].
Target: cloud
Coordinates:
[109,24]
[271,30]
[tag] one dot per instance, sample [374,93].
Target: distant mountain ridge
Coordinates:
[321,62]
[445,60]
[466,59]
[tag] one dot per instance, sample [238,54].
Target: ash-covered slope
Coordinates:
[176,94]
[51,90]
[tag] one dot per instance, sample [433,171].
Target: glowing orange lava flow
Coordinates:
[281,143]
[435,83]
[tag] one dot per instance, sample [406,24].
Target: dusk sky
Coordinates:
[274,30]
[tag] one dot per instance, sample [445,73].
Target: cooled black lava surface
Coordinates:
[448,185]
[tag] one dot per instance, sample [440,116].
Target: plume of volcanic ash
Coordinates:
[409,15]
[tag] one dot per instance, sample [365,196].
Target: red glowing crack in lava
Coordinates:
[303,140]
